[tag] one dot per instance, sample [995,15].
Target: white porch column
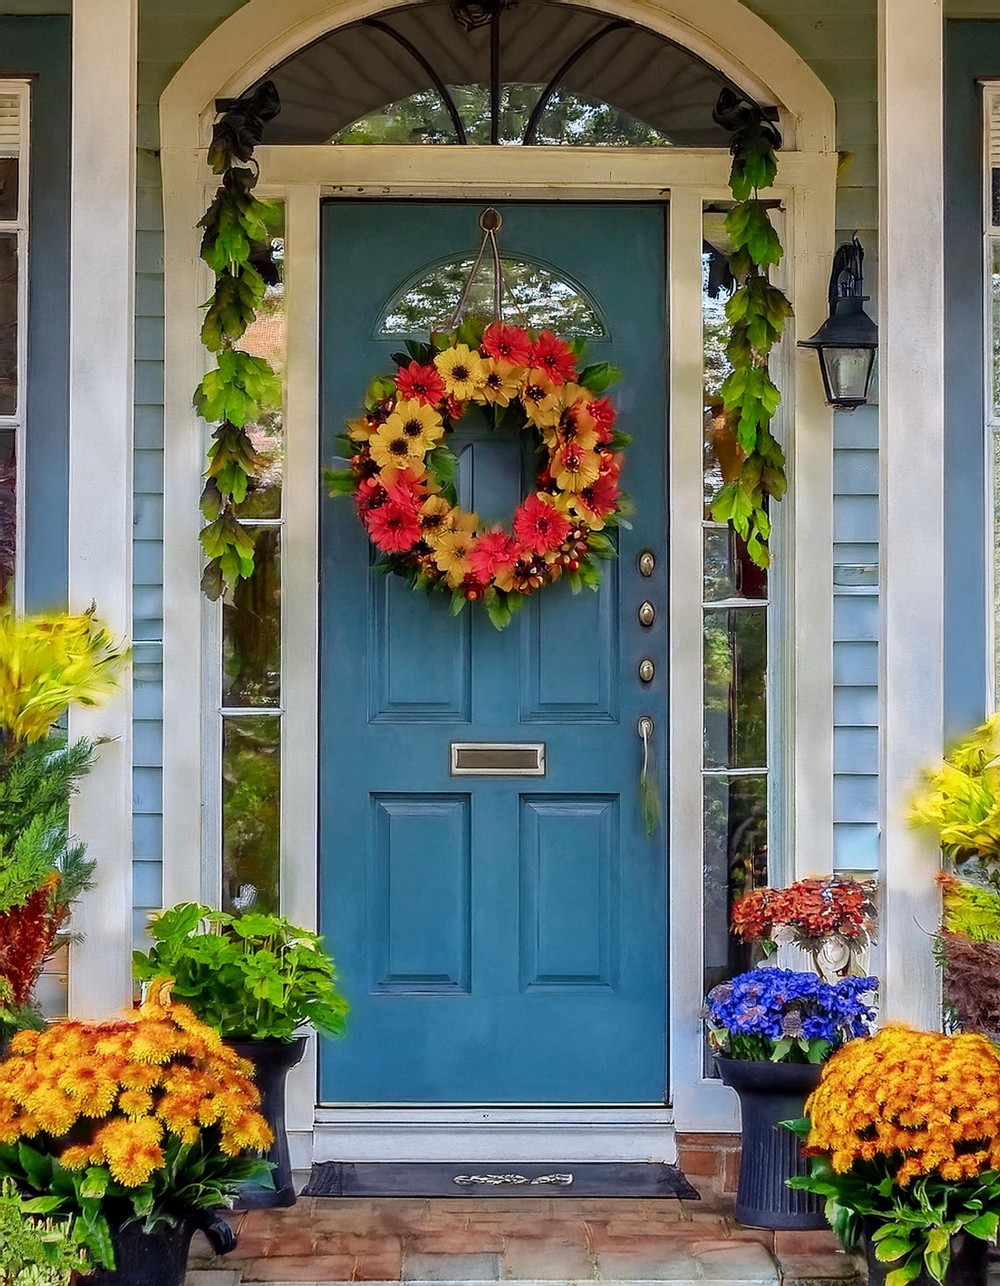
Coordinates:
[911,420]
[102,260]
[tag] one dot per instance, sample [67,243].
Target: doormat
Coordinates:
[493,1179]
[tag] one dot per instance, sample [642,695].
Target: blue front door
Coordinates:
[502,939]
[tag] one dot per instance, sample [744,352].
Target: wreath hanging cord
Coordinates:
[401,468]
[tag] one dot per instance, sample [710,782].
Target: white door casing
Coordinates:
[241,50]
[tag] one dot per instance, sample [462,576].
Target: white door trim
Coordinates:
[301,176]
[491,1134]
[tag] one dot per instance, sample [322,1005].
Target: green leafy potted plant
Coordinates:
[902,1137]
[138,1130]
[36,1250]
[259,980]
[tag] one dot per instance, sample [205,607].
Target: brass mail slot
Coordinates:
[497,759]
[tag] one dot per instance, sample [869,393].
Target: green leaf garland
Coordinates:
[237,229]
[757,312]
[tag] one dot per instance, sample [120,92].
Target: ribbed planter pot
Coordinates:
[770,1093]
[272,1061]
[967,1266]
[147,1258]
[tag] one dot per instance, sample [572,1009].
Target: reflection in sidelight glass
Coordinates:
[251,628]
[540,299]
[8,512]
[735,821]
[8,323]
[8,187]
[735,661]
[267,337]
[251,812]
[995,348]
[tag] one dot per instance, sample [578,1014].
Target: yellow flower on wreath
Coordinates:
[394,451]
[541,402]
[451,555]
[416,421]
[453,522]
[462,369]
[501,382]
[574,468]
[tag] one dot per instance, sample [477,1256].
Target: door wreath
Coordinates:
[401,468]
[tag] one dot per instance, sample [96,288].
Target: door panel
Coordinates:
[502,939]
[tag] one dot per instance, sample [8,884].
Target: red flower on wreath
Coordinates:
[539,526]
[492,550]
[507,344]
[604,415]
[394,526]
[422,382]
[554,357]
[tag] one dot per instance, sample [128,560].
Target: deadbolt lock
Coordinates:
[646,613]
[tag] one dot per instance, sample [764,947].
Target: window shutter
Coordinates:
[10,124]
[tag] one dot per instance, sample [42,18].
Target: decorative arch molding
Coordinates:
[261,34]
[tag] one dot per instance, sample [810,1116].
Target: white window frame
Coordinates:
[301,176]
[21,89]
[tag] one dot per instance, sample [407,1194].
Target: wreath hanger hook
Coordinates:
[490,221]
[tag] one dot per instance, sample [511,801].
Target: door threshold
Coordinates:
[653,1180]
[515,1135]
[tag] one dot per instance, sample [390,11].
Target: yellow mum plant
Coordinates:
[148,1119]
[46,664]
[960,799]
[903,1134]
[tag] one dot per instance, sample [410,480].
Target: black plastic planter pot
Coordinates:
[967,1266]
[770,1093]
[147,1258]
[272,1060]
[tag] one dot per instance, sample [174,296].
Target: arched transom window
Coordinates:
[536,73]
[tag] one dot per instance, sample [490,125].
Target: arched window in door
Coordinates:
[535,73]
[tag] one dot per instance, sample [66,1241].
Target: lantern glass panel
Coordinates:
[847,373]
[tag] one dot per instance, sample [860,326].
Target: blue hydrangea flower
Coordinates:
[787,1015]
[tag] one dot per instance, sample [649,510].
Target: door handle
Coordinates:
[649,795]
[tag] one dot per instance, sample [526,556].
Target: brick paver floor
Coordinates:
[337,1240]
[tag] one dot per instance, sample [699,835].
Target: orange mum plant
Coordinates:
[148,1119]
[903,1132]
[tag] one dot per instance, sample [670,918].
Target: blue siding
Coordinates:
[972,50]
[40,46]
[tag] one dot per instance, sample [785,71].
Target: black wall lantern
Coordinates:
[847,342]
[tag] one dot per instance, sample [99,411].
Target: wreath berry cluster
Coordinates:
[402,470]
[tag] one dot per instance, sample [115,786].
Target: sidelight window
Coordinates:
[13,306]
[251,695]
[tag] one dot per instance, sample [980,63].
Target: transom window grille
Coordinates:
[14,114]
[538,72]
